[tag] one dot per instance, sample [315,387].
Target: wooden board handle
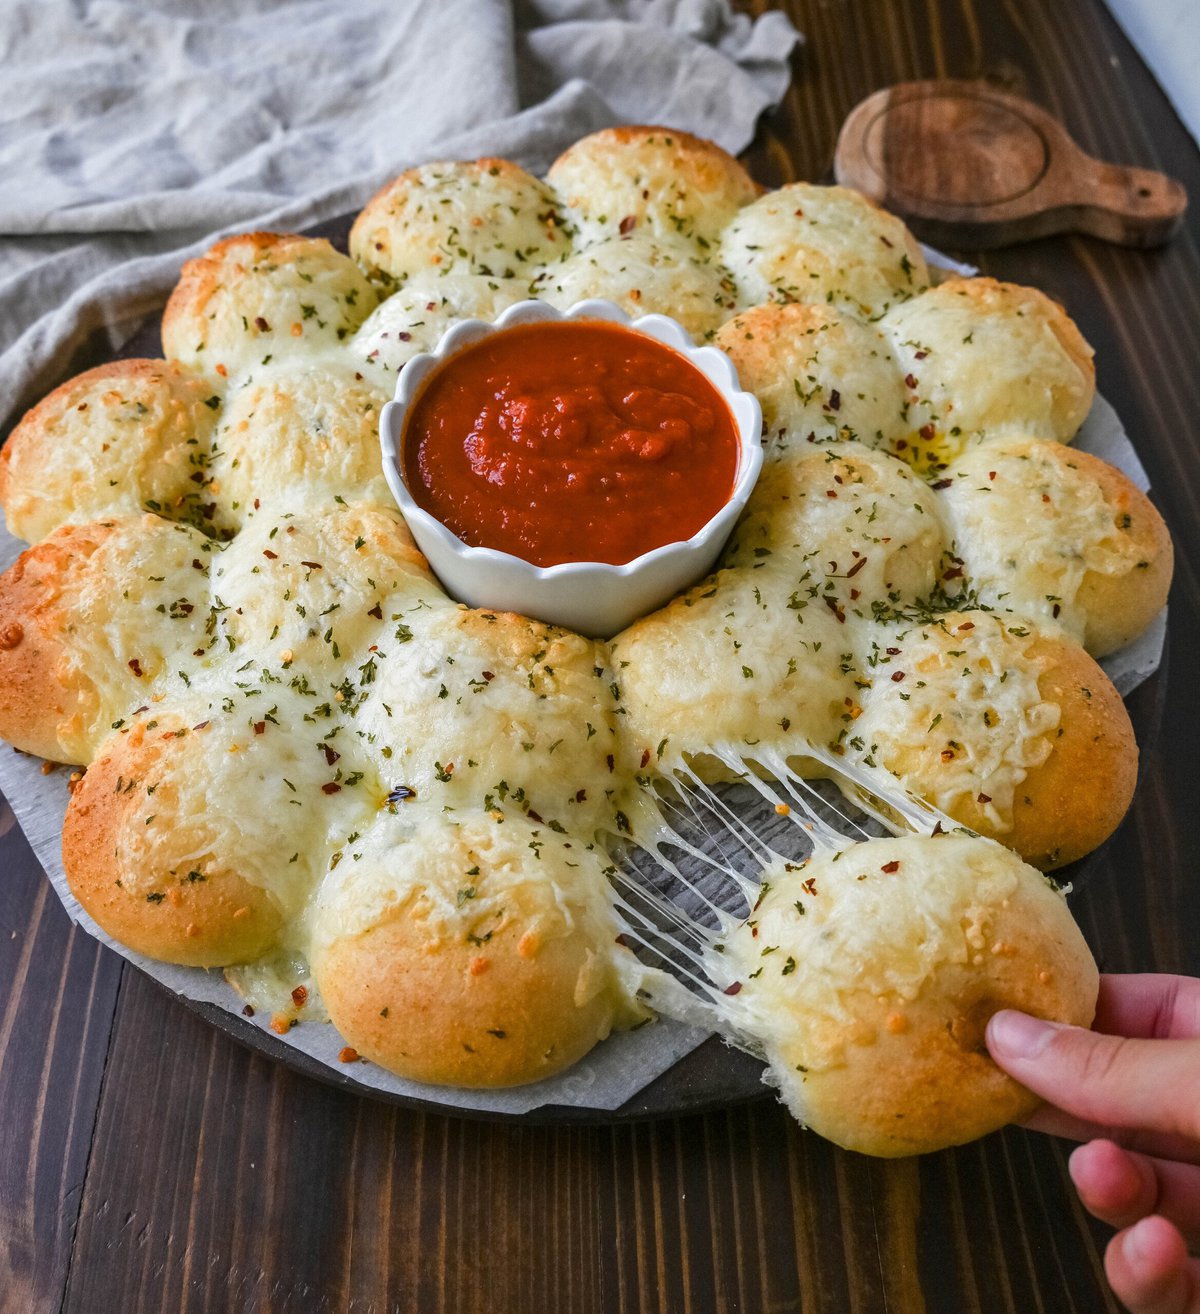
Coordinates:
[968,165]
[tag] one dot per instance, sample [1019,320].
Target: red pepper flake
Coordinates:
[331,787]
[809,886]
[966,625]
[645,757]
[831,492]
[901,444]
[347,1054]
[983,798]
[1055,611]
[835,607]
[611,763]
[376,611]
[733,989]
[581,796]
[910,381]
[627,225]
[489,676]
[854,569]
[312,565]
[248,1010]
[920,355]
[943,483]
[136,667]
[955,572]
[260,727]
[331,756]
[535,816]
[270,556]
[855,594]
[928,432]
[257,504]
[892,652]
[889,867]
[835,400]
[897,676]
[300,996]
[937,829]
[261,324]
[991,474]
[1045,497]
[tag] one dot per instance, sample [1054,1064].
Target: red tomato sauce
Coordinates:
[570,441]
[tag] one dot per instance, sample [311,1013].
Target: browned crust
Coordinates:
[633,134]
[38,702]
[497,1014]
[35,425]
[941,1088]
[982,288]
[1074,801]
[202,277]
[1120,607]
[378,206]
[199,915]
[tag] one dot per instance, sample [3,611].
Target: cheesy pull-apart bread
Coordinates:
[868,977]
[306,764]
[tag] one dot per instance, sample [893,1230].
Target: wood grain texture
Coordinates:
[150,1164]
[968,164]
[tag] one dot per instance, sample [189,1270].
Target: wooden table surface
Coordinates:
[147,1162]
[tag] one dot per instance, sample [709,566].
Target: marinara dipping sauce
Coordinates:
[570,441]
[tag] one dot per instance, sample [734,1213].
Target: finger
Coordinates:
[1149,1004]
[1120,1188]
[1109,1080]
[1148,1269]
[1054,1122]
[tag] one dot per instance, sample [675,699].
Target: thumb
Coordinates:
[1110,1080]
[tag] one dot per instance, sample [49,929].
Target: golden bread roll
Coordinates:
[299,432]
[982,358]
[260,296]
[414,318]
[820,374]
[822,245]
[735,663]
[650,180]
[94,621]
[1016,734]
[194,837]
[1057,535]
[470,951]
[496,711]
[768,652]
[644,275]
[485,217]
[126,437]
[849,526]
[870,975]
[312,592]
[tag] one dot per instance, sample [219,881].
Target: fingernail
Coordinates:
[1137,1246]
[1019,1036]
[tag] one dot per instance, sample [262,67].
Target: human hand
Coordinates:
[1131,1090]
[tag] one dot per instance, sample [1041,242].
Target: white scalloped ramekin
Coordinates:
[592,597]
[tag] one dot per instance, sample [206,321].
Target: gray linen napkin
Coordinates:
[132,133]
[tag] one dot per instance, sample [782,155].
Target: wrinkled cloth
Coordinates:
[134,132]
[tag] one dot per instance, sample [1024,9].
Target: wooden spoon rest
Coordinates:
[970,166]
